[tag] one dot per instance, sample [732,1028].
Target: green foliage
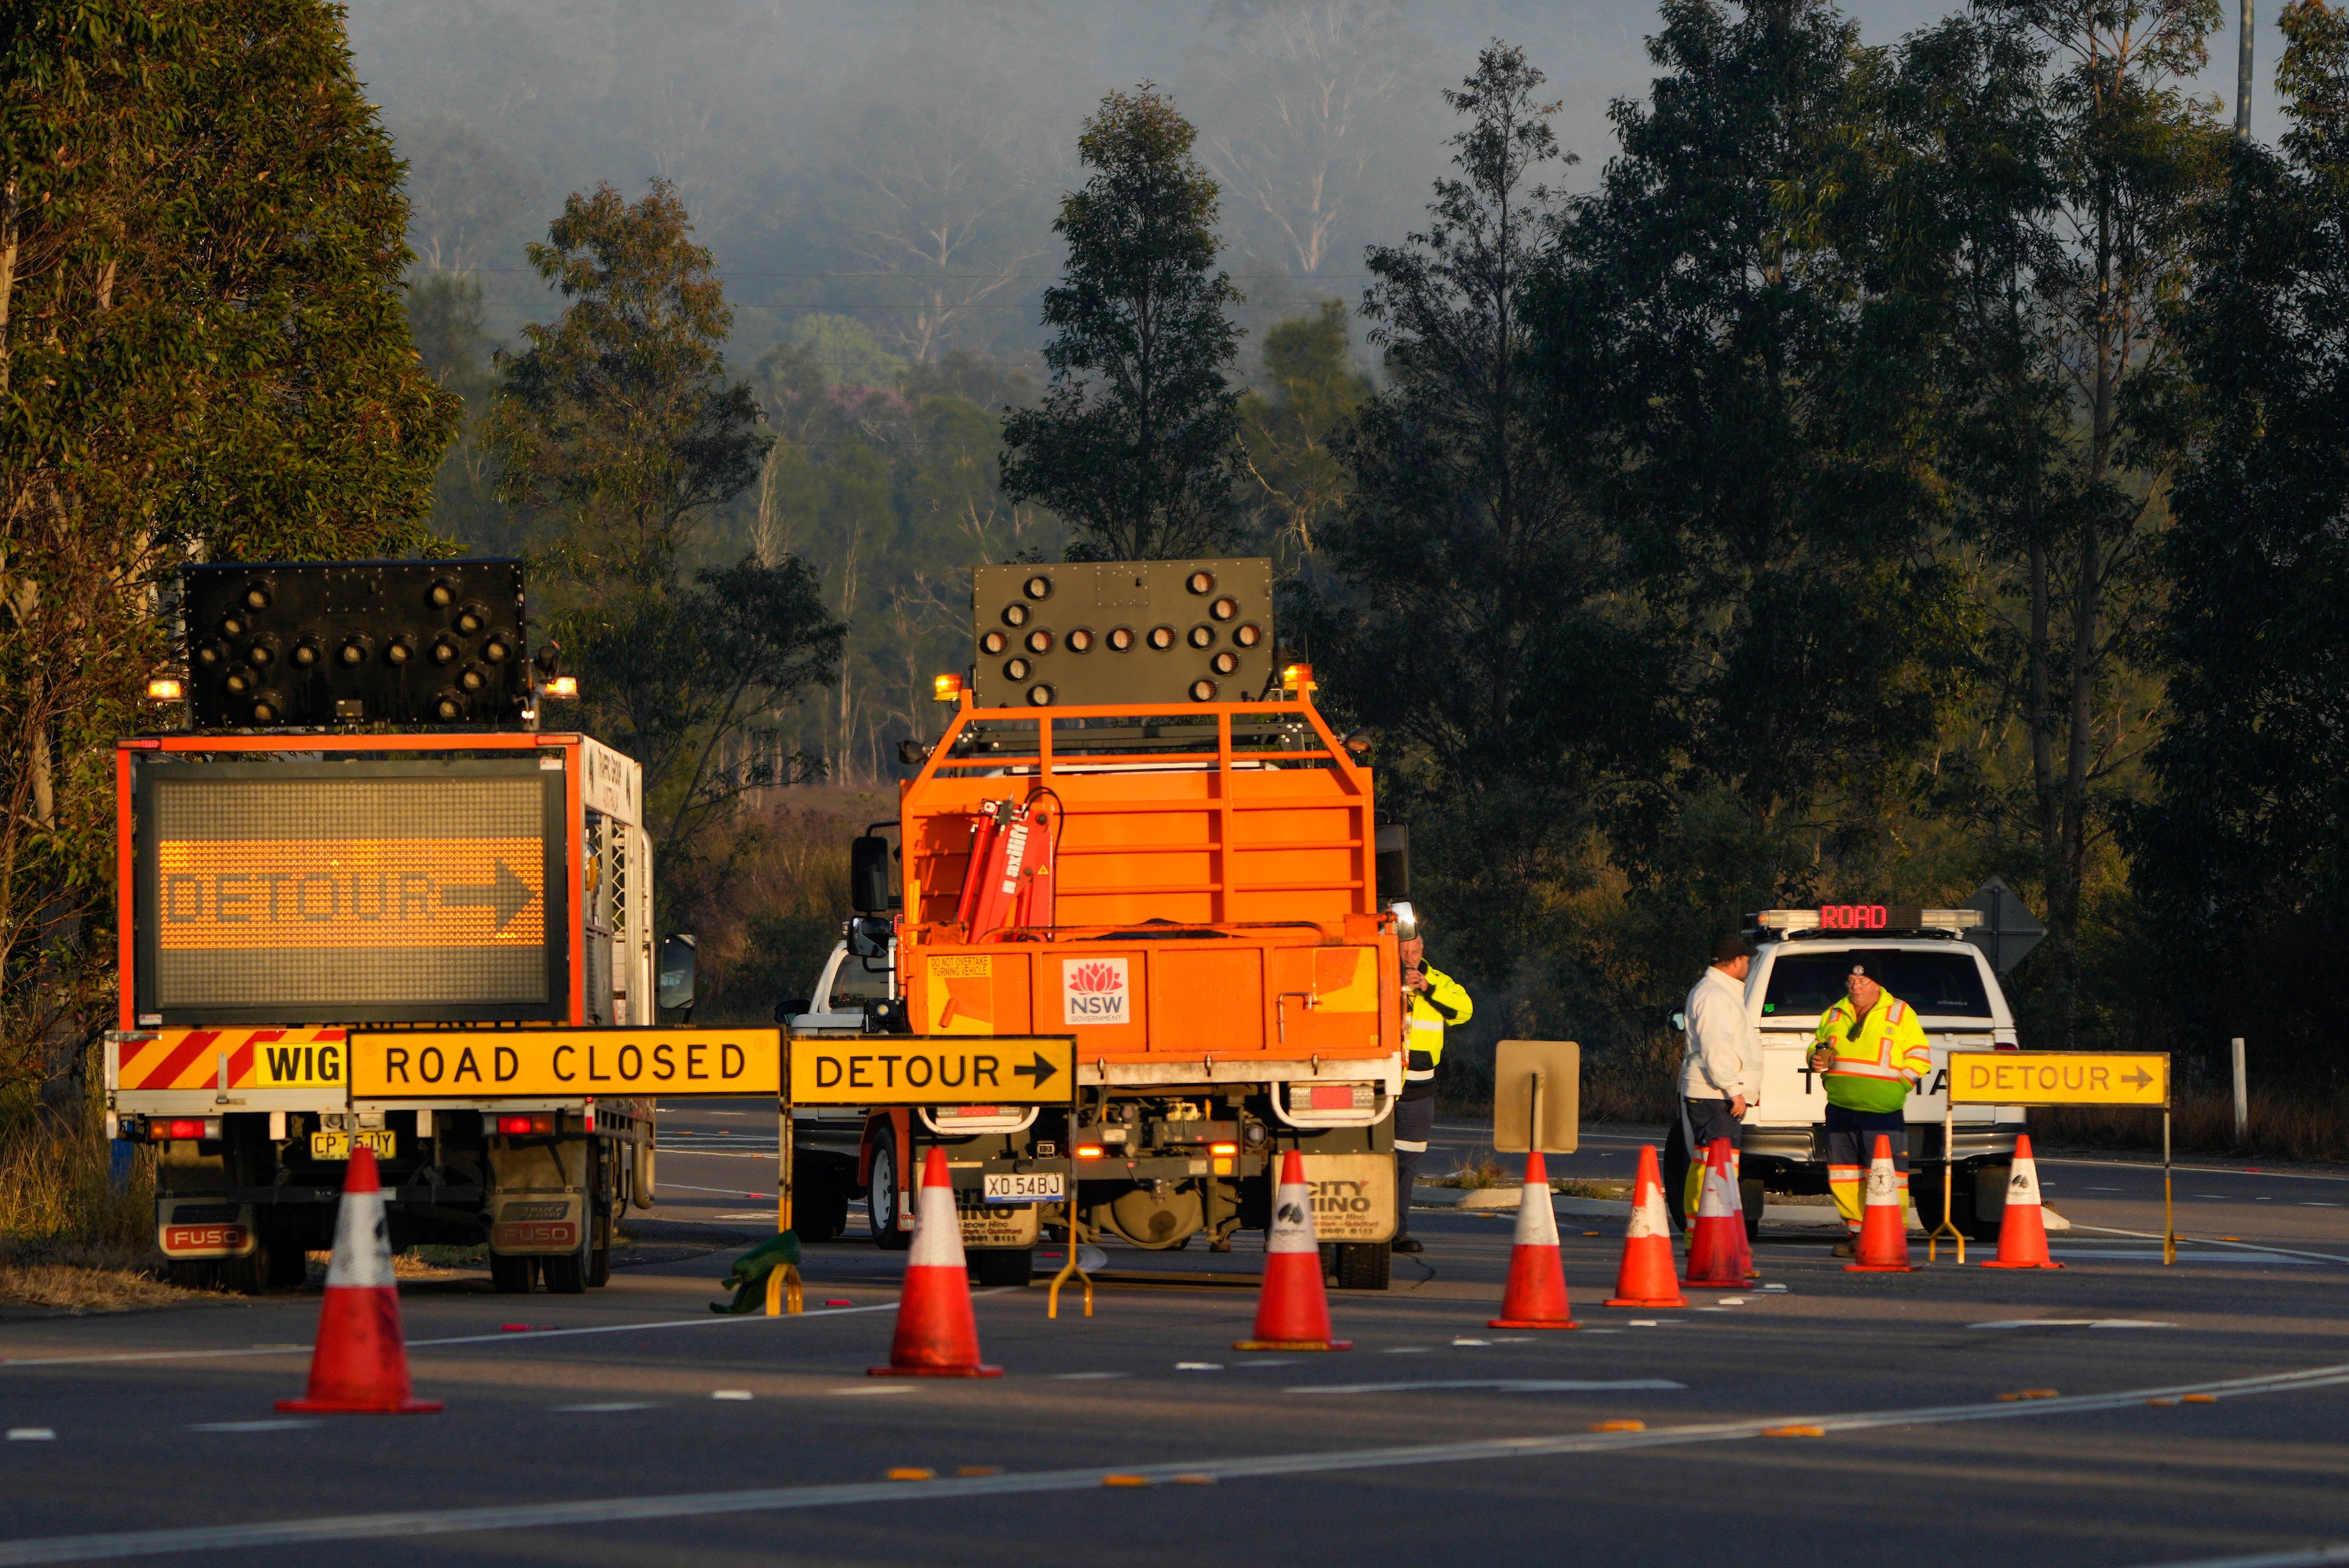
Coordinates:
[2244,851]
[444,317]
[1295,483]
[846,352]
[618,420]
[204,354]
[1135,445]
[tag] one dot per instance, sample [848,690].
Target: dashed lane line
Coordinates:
[708,1505]
[2303,1557]
[2208,1242]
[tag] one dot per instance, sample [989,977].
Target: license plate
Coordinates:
[1030,1187]
[338,1145]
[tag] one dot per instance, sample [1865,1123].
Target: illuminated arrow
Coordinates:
[1039,1069]
[2140,1077]
[506,896]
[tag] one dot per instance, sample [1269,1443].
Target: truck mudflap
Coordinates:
[1353,1196]
[986,1224]
[538,1204]
[204,1228]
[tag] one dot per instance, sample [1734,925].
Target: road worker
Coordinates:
[1721,1077]
[1871,1054]
[1431,999]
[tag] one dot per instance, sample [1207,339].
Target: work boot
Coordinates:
[1409,1244]
[1845,1249]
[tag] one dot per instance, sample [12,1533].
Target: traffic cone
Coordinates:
[1293,1314]
[1536,1296]
[360,1364]
[1718,1256]
[1648,1277]
[2023,1229]
[938,1337]
[1884,1225]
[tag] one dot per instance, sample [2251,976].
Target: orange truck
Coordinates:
[1138,831]
[358,821]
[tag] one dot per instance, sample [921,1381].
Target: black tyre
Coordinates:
[247,1275]
[193,1273]
[1675,1173]
[1364,1266]
[819,1205]
[881,1201]
[511,1276]
[1001,1266]
[1751,1197]
[599,1258]
[1981,1208]
[567,1274]
[289,1266]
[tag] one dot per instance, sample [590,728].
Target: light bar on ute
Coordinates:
[1865,918]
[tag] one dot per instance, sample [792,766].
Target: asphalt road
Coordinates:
[612,1428]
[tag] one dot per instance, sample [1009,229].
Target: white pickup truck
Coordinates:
[1800,961]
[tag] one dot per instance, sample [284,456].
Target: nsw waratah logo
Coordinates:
[1094,991]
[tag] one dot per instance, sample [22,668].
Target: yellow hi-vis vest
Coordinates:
[1443,1002]
[1877,1064]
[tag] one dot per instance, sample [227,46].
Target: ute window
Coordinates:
[1938,984]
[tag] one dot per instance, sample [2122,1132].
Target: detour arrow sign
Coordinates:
[2059,1077]
[938,1069]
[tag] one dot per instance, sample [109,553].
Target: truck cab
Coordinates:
[1802,959]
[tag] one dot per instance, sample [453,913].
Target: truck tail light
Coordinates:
[1089,1150]
[160,1130]
[538,1121]
[1223,1149]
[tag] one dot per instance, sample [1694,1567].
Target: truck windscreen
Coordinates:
[1938,984]
[350,893]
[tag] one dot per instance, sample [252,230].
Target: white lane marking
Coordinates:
[608,1405]
[1198,1367]
[2072,1323]
[1405,1351]
[2305,1557]
[499,1339]
[2189,1170]
[767,1154]
[2307,1204]
[729,1393]
[699,1505]
[251,1426]
[2210,1242]
[763,1214]
[2255,1256]
[876,1389]
[1502,1385]
[2107,1188]
[32,1434]
[1087,1376]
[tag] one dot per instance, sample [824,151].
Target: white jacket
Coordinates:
[1724,1048]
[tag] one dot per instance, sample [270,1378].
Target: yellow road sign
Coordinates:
[934,1069]
[2059,1077]
[447,892]
[553,1064]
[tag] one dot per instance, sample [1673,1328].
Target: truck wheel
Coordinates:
[567,1274]
[289,1266]
[247,1275]
[881,1202]
[1981,1208]
[193,1273]
[511,1276]
[1002,1265]
[1364,1266]
[1675,1173]
[599,1259]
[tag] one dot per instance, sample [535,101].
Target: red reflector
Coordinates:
[186,1127]
[1333,1097]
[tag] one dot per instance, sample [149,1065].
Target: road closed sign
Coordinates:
[933,1069]
[560,1064]
[2059,1077]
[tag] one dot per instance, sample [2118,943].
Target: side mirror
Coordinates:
[1679,1022]
[868,874]
[1406,921]
[786,1011]
[1394,860]
[675,981]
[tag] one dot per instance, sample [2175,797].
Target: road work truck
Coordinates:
[1138,833]
[359,823]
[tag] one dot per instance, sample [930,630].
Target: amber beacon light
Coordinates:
[946,688]
[1297,679]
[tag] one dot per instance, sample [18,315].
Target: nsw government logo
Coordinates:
[1094,991]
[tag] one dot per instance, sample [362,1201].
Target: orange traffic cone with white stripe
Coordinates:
[360,1364]
[938,1337]
[1884,1223]
[2022,1229]
[1648,1276]
[1718,1255]
[1536,1295]
[1293,1314]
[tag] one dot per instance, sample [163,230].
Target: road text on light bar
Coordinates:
[464,1064]
[908,1069]
[2059,1077]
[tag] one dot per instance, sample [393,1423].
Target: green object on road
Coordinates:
[748,1280]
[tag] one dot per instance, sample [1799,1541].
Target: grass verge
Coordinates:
[71,1238]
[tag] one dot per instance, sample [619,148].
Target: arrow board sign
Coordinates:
[563,1064]
[943,1069]
[2059,1077]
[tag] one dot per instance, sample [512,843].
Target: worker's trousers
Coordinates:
[1414,1119]
[1852,1144]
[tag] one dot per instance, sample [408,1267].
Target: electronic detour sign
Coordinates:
[363,891]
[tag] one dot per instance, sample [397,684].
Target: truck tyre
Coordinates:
[881,1201]
[567,1274]
[193,1273]
[511,1276]
[289,1266]
[819,1206]
[1364,1266]
[248,1275]
[1981,1208]
[1751,1197]
[599,1258]
[1002,1265]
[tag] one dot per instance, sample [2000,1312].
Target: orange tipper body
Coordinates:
[1208,905]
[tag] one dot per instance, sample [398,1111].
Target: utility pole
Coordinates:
[2243,76]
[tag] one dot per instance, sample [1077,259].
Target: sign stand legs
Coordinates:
[784,1288]
[1069,1265]
[2168,1214]
[1949,1178]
